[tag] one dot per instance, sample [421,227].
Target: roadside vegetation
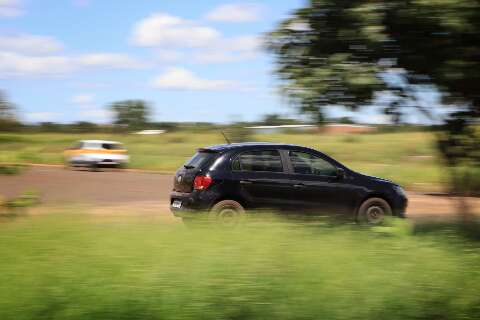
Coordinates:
[76,266]
[19,205]
[11,169]
[379,154]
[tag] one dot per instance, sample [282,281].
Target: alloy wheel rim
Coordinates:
[375,214]
[228,216]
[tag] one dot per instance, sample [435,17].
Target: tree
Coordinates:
[131,114]
[274,119]
[335,52]
[343,52]
[84,127]
[8,120]
[339,52]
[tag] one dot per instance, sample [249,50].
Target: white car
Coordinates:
[95,153]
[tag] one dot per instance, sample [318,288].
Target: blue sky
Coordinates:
[66,60]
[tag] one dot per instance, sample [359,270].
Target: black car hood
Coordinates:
[378,179]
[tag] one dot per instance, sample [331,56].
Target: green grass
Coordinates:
[408,158]
[74,266]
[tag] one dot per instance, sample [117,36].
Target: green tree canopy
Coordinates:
[8,116]
[131,114]
[334,51]
[7,109]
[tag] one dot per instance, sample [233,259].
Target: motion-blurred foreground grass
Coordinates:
[409,158]
[75,266]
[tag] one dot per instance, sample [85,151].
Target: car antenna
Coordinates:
[226,139]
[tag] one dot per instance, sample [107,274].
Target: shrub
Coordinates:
[11,169]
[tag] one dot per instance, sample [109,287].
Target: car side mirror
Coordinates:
[340,173]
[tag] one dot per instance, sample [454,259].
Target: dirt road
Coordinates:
[59,186]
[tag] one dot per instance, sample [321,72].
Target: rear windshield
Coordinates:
[199,160]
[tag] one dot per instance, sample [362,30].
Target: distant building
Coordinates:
[149,132]
[282,128]
[337,128]
[331,128]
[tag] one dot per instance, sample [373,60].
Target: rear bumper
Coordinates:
[99,159]
[192,202]
[105,163]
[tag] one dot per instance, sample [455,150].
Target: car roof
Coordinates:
[100,141]
[249,145]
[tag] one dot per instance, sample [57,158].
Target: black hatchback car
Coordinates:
[227,179]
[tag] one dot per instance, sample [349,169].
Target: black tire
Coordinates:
[93,167]
[228,212]
[373,211]
[68,165]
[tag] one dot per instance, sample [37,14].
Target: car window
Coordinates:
[261,160]
[306,163]
[112,146]
[90,145]
[199,159]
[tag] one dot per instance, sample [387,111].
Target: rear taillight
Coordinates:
[202,182]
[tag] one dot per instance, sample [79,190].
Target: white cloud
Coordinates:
[88,110]
[169,56]
[82,99]
[165,30]
[42,116]
[33,55]
[109,60]
[17,64]
[235,12]
[29,44]
[182,79]
[230,50]
[95,114]
[13,64]
[10,8]
[178,39]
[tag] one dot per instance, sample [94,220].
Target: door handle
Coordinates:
[299,186]
[245,182]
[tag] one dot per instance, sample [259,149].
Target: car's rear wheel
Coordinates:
[373,211]
[228,212]
[93,166]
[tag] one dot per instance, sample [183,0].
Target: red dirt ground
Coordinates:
[149,192]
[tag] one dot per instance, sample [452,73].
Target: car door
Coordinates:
[316,185]
[73,154]
[262,178]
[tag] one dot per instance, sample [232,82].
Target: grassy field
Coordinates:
[76,266]
[408,158]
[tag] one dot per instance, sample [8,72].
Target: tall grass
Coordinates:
[82,267]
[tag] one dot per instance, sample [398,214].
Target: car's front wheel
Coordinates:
[228,212]
[373,211]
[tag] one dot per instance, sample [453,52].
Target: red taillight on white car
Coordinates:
[202,182]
